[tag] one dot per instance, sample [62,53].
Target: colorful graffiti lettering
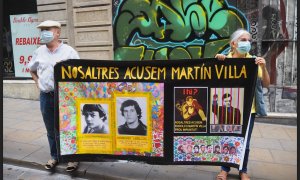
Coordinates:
[173,29]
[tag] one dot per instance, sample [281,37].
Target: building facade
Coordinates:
[90,27]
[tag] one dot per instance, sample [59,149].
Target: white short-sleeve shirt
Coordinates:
[43,61]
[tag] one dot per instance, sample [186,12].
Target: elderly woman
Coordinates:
[240,43]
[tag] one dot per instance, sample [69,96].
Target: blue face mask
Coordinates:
[46,36]
[243,47]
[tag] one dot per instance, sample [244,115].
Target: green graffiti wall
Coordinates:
[173,29]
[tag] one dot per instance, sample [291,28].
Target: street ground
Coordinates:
[11,172]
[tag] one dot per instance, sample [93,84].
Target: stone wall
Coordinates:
[23,89]
[86,25]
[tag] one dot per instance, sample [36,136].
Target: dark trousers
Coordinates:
[47,109]
[244,168]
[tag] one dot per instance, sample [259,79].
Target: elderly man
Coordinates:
[41,68]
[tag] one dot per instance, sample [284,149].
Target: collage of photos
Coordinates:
[100,118]
[102,131]
[208,148]
[192,106]
[225,115]
[106,118]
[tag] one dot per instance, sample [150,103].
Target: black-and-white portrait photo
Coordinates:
[94,118]
[132,116]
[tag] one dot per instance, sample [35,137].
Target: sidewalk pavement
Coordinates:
[273,151]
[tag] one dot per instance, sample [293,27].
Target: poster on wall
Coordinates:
[25,39]
[184,112]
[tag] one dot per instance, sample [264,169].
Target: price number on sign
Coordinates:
[24,60]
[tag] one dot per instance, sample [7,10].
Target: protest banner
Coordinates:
[187,112]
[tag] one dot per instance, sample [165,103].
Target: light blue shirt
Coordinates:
[43,61]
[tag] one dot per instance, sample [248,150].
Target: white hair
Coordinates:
[238,33]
